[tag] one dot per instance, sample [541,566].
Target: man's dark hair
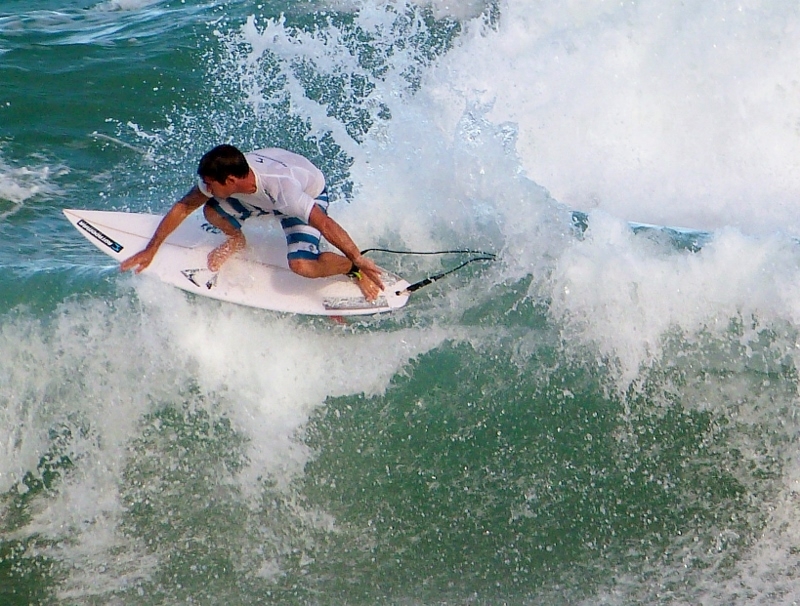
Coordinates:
[222,162]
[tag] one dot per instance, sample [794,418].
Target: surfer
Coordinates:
[233,186]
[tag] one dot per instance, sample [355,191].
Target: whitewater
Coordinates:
[598,417]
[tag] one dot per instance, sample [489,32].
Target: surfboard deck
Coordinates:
[257,277]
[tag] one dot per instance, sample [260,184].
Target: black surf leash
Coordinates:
[481,256]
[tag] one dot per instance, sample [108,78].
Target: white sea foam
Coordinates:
[650,113]
[278,369]
[92,375]
[680,114]
[19,184]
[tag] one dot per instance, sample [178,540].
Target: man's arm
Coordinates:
[336,235]
[182,209]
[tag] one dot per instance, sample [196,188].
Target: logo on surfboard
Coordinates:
[98,235]
[193,275]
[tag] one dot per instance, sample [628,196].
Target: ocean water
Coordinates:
[595,418]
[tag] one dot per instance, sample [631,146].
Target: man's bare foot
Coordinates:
[221,253]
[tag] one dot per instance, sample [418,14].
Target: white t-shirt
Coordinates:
[285,182]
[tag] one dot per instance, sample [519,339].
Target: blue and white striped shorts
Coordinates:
[302,240]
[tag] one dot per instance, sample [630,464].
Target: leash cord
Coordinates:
[482,256]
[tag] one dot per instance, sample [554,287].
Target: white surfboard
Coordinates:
[259,276]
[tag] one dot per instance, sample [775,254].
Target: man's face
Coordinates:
[221,190]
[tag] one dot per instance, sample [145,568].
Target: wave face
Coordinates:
[599,416]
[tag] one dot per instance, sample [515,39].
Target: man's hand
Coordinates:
[368,268]
[138,262]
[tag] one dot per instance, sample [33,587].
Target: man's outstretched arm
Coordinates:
[182,209]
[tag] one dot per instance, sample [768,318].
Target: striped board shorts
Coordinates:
[302,240]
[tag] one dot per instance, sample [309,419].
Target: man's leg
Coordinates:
[305,258]
[331,264]
[230,227]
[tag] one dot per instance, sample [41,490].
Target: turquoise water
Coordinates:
[599,417]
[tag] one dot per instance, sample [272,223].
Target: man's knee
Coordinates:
[304,267]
